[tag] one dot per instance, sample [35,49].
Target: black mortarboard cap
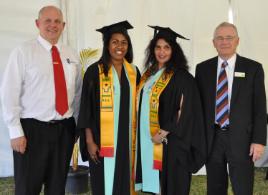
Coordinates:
[114,28]
[167,32]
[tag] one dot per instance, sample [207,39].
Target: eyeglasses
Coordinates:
[227,38]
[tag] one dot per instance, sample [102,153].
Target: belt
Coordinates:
[52,122]
[218,127]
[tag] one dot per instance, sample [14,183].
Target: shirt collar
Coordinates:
[230,61]
[46,44]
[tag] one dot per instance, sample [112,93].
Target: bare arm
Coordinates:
[92,147]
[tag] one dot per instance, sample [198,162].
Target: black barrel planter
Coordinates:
[77,181]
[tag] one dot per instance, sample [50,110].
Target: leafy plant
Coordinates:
[85,56]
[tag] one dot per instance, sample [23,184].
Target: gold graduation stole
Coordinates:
[132,76]
[107,113]
[157,89]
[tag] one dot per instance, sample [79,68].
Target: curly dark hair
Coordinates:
[105,57]
[177,60]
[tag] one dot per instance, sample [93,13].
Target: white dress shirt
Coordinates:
[230,73]
[28,90]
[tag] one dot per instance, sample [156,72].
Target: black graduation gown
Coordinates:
[89,117]
[186,148]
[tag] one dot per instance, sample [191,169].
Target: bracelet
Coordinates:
[164,140]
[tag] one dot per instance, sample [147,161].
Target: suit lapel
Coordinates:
[212,82]
[239,67]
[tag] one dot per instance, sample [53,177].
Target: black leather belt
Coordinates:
[52,122]
[218,127]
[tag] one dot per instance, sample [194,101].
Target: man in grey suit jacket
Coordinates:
[235,114]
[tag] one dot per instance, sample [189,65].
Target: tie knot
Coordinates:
[224,64]
[54,49]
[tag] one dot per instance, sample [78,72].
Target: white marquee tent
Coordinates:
[196,19]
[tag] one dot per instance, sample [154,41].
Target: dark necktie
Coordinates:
[60,84]
[222,105]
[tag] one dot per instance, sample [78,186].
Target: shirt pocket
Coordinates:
[70,72]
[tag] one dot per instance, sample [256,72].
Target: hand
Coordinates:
[92,148]
[256,151]
[19,144]
[163,133]
[159,137]
[93,151]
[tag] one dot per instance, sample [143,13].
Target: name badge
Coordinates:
[240,74]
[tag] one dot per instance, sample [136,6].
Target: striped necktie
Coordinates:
[222,105]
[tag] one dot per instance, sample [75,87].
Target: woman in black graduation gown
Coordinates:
[107,112]
[170,131]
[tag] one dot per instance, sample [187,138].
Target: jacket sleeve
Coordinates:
[259,108]
[188,126]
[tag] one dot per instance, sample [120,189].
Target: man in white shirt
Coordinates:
[39,107]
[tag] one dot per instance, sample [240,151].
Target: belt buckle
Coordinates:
[52,122]
[225,128]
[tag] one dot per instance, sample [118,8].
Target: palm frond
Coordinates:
[86,55]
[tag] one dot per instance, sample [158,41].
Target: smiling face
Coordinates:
[226,41]
[118,47]
[50,24]
[162,52]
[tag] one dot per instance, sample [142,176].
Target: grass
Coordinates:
[198,185]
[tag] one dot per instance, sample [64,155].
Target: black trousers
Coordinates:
[241,171]
[47,157]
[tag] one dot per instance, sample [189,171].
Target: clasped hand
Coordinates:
[160,137]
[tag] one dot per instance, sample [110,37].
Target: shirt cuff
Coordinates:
[15,132]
